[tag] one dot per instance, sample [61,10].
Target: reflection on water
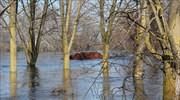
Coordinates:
[13,84]
[66,90]
[66,84]
[139,89]
[37,83]
[33,74]
[106,94]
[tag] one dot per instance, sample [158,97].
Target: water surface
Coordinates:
[47,81]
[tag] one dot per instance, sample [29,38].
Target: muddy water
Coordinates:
[48,81]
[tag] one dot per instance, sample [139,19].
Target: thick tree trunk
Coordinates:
[31,52]
[174,38]
[168,83]
[13,49]
[13,46]
[138,62]
[168,75]
[169,88]
[64,35]
[105,61]
[66,60]
[31,60]
[33,74]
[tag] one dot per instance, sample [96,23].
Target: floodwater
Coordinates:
[48,81]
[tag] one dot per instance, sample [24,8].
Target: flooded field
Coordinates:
[48,81]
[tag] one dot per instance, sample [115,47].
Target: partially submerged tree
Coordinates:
[13,47]
[32,44]
[12,29]
[106,31]
[174,39]
[170,57]
[65,19]
[140,42]
[13,84]
[139,52]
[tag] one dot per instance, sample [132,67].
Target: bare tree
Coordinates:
[106,33]
[65,27]
[140,42]
[169,46]
[5,8]
[32,46]
[174,39]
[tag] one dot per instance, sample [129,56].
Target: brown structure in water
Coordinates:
[86,55]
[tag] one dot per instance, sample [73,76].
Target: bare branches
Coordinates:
[76,21]
[5,8]
[42,23]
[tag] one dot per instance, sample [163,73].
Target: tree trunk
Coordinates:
[168,78]
[138,62]
[168,83]
[140,41]
[66,60]
[105,60]
[31,60]
[106,34]
[65,22]
[13,46]
[174,38]
[65,27]
[66,84]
